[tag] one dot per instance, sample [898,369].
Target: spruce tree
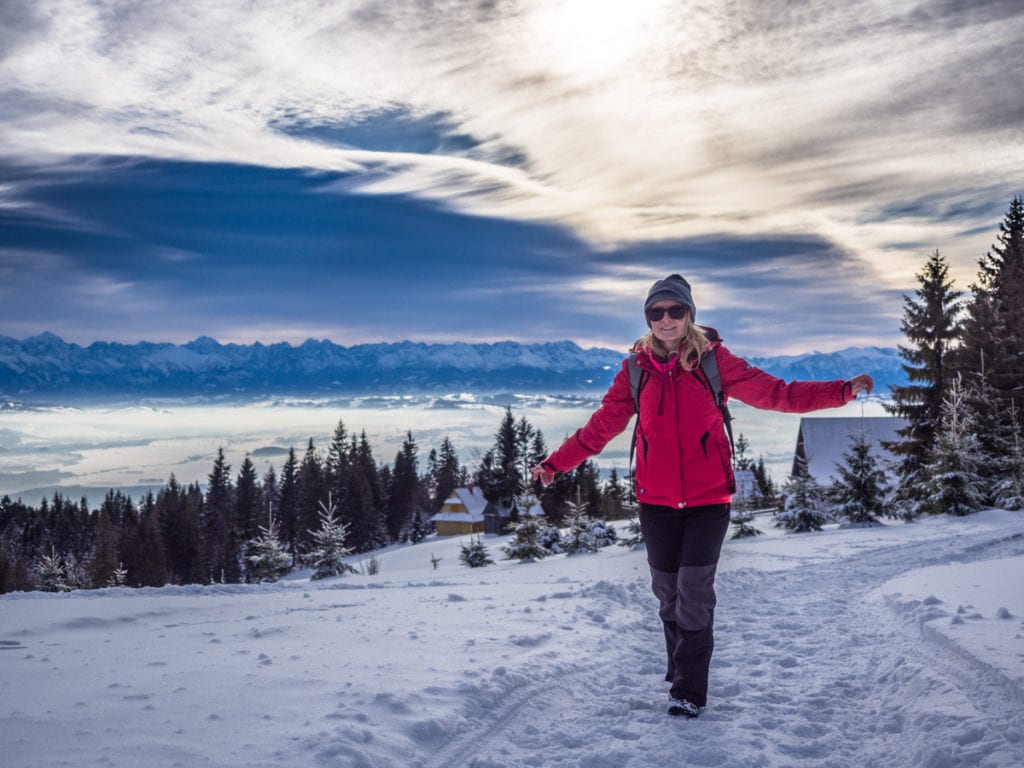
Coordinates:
[106,554]
[994,327]
[268,560]
[525,545]
[222,547]
[248,501]
[579,538]
[503,483]
[329,550]
[446,475]
[288,505]
[860,490]
[52,574]
[931,328]
[804,508]
[312,491]
[404,490]
[953,483]
[1009,489]
[474,554]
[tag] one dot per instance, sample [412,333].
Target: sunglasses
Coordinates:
[676,312]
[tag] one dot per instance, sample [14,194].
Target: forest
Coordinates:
[962,450]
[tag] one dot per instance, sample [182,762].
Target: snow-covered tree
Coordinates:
[474,554]
[861,488]
[419,527]
[52,574]
[1009,490]
[118,577]
[550,538]
[743,519]
[579,538]
[329,550]
[804,508]
[525,545]
[930,324]
[635,535]
[953,467]
[267,557]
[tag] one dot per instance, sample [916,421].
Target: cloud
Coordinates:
[590,140]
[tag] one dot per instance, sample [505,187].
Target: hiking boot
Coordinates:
[683,708]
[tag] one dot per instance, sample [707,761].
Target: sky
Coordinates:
[478,171]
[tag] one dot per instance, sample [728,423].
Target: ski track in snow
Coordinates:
[810,669]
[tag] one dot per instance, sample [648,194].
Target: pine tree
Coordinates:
[248,501]
[766,492]
[288,505]
[403,492]
[503,483]
[1009,490]
[222,547]
[930,325]
[474,554]
[118,576]
[861,487]
[743,519]
[105,554]
[268,560]
[952,471]
[740,460]
[446,475]
[312,490]
[804,506]
[579,537]
[329,551]
[635,539]
[993,335]
[52,574]
[525,545]
[419,527]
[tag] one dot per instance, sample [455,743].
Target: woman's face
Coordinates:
[667,329]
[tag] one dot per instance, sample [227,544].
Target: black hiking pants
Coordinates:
[683,546]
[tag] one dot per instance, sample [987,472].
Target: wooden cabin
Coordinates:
[822,441]
[462,513]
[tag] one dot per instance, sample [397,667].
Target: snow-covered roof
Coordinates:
[822,441]
[470,498]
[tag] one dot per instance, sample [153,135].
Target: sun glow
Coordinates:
[587,38]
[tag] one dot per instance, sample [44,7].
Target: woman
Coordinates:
[684,478]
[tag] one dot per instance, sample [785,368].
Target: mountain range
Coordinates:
[45,366]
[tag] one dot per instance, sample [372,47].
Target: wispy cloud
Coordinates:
[878,131]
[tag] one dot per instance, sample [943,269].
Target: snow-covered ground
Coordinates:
[895,646]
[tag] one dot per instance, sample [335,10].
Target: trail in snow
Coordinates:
[806,673]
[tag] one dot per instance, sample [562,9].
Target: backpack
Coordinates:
[708,364]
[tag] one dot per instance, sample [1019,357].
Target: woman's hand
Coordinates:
[546,476]
[861,383]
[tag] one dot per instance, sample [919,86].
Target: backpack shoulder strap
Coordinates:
[636,380]
[709,365]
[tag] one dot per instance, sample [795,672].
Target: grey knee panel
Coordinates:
[696,596]
[665,587]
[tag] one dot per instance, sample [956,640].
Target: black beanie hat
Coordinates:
[672,288]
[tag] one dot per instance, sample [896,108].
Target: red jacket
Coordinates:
[683,457]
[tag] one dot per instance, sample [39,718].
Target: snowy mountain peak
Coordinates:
[45,365]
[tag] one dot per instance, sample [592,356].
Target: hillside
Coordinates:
[895,646]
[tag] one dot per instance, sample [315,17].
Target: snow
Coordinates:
[839,648]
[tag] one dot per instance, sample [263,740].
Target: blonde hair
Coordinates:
[691,346]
